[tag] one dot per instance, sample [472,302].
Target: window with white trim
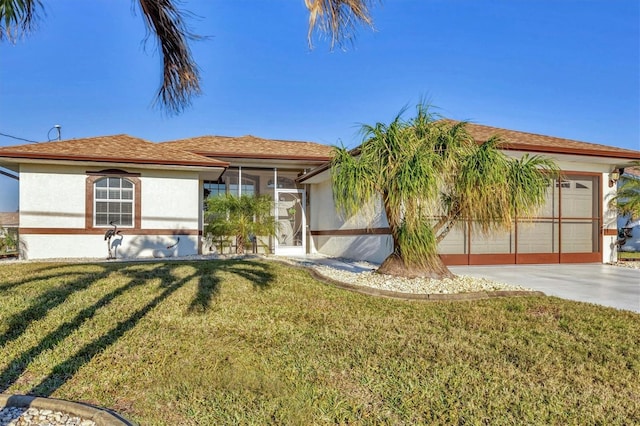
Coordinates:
[113,198]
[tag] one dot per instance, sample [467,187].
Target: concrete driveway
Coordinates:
[602,284]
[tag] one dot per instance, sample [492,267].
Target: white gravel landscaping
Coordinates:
[628,264]
[362,274]
[18,416]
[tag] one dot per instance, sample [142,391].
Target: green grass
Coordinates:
[251,342]
[629,255]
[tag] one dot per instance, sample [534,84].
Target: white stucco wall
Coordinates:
[53,197]
[323,216]
[95,247]
[170,200]
[609,222]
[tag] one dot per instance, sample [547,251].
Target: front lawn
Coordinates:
[252,342]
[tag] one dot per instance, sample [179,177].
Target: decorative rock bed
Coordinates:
[22,410]
[18,416]
[633,264]
[359,276]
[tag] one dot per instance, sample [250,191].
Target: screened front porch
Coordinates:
[290,200]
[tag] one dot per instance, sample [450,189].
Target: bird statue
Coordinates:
[108,235]
[173,245]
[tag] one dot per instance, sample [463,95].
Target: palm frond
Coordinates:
[627,198]
[337,18]
[353,184]
[240,217]
[529,180]
[181,77]
[18,17]
[481,187]
[417,245]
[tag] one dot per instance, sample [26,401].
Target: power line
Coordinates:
[15,137]
[12,176]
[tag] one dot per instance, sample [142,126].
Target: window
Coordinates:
[247,187]
[114,201]
[214,189]
[283,182]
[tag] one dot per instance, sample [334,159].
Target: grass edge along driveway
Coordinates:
[253,342]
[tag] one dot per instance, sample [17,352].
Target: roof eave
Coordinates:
[81,158]
[571,151]
[315,173]
[317,159]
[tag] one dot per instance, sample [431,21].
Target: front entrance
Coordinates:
[291,222]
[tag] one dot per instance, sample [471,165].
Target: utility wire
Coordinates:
[15,137]
[12,176]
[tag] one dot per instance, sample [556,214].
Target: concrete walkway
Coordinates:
[601,284]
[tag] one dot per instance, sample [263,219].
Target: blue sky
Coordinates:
[567,68]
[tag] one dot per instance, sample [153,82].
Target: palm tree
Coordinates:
[240,217]
[163,19]
[627,198]
[430,174]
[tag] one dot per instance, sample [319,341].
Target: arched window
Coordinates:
[113,201]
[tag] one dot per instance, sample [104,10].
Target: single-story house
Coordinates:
[70,192]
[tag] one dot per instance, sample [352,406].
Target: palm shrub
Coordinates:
[229,216]
[430,174]
[627,199]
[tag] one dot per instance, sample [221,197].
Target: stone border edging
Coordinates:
[101,416]
[370,291]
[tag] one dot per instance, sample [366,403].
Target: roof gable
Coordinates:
[115,149]
[253,147]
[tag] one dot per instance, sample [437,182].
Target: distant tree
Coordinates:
[243,217]
[627,199]
[430,174]
[165,20]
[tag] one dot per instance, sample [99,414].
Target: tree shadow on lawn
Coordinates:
[209,284]
[33,278]
[47,301]
[208,287]
[19,364]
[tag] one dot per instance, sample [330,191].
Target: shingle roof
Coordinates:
[9,219]
[633,171]
[117,148]
[252,147]
[523,141]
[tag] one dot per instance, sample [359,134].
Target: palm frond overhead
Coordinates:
[337,18]
[166,23]
[181,77]
[18,17]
